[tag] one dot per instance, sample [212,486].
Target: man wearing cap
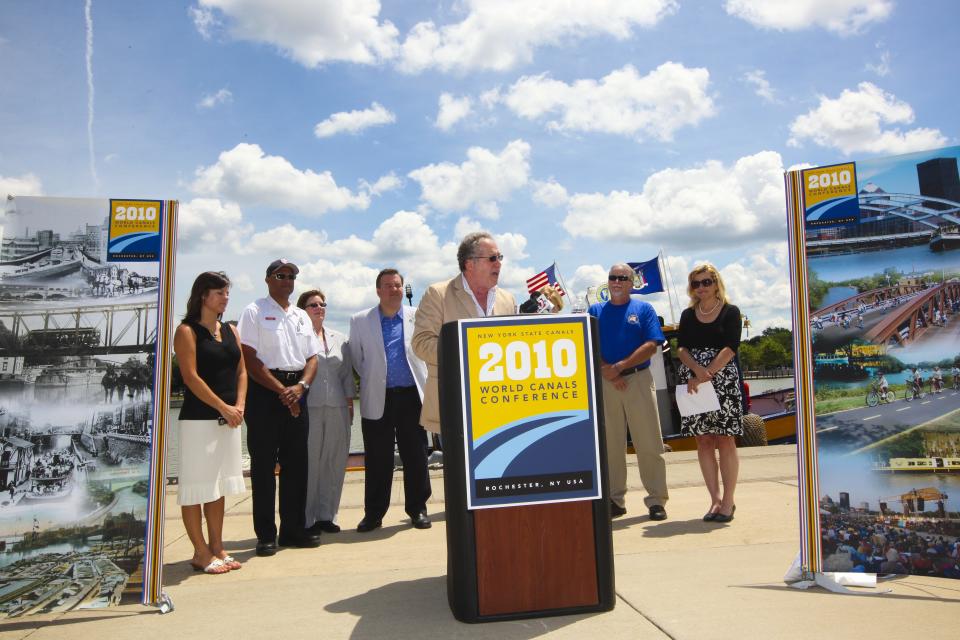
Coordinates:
[392,379]
[629,334]
[279,350]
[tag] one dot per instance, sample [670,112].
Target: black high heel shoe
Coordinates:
[725,518]
[711,515]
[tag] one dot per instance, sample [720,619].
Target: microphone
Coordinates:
[531,305]
[409,291]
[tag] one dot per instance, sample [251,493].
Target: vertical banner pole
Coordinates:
[803,371]
[153,542]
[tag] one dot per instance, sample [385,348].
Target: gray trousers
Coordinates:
[328,444]
[636,407]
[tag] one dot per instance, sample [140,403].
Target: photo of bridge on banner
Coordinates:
[122,327]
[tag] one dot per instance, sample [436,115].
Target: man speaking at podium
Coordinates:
[473,293]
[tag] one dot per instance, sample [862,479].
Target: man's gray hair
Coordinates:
[621,265]
[468,246]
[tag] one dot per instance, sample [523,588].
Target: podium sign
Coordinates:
[530,422]
[527,502]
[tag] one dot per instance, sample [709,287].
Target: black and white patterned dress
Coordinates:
[703,341]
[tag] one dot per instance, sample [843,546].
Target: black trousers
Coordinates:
[401,424]
[273,435]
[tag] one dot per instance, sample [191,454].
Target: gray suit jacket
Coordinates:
[370,359]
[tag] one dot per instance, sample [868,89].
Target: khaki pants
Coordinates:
[635,406]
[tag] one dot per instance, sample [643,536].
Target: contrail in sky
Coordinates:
[93,165]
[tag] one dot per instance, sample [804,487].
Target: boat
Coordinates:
[776,408]
[53,477]
[59,262]
[933,464]
[71,372]
[945,238]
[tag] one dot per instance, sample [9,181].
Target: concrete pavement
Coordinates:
[681,578]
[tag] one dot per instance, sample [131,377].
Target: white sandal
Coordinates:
[212,568]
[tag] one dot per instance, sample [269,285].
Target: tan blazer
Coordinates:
[443,302]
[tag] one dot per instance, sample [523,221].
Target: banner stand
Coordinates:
[164,604]
[835,582]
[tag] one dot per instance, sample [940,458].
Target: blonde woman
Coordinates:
[709,338]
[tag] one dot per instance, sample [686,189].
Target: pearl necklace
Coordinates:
[707,313]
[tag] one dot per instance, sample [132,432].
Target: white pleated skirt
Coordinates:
[210,463]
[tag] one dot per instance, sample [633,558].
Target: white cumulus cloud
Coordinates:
[550,193]
[480,181]
[856,121]
[757,78]
[310,33]
[245,174]
[354,121]
[204,20]
[451,110]
[26,185]
[203,223]
[500,34]
[705,204]
[211,100]
[840,16]
[623,102]
[383,184]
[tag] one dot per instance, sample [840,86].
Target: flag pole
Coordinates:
[666,270]
[567,293]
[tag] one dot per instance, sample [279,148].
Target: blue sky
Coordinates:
[352,135]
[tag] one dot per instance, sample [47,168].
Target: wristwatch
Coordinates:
[306,385]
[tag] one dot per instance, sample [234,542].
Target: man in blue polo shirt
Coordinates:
[629,336]
[392,380]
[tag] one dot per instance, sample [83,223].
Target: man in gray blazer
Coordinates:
[392,380]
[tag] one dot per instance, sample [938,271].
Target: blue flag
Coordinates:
[647,277]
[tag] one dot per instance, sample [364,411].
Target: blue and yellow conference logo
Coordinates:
[134,230]
[830,196]
[529,412]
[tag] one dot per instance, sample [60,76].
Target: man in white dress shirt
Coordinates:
[279,350]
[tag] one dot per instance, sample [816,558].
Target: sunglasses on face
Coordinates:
[497,257]
[615,278]
[285,276]
[314,305]
[696,284]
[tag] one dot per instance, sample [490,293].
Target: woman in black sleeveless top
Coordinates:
[709,338]
[211,363]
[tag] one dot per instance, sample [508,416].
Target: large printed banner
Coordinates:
[877,320]
[84,369]
[529,411]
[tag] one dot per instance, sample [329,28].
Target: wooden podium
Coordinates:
[531,560]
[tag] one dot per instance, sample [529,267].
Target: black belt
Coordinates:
[627,372]
[287,377]
[399,389]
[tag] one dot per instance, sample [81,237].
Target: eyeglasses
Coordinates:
[314,305]
[285,276]
[616,278]
[696,284]
[497,257]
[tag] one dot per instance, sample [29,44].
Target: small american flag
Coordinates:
[545,277]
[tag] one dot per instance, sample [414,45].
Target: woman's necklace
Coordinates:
[215,332]
[707,313]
